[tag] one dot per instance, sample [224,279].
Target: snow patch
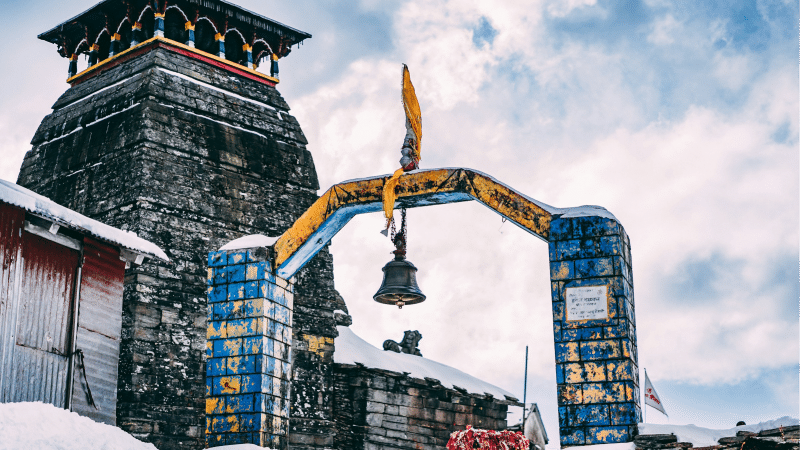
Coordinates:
[351,349]
[34,203]
[36,425]
[704,437]
[621,446]
[251,241]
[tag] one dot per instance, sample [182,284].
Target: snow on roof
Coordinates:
[34,203]
[351,349]
[251,241]
[37,425]
[703,437]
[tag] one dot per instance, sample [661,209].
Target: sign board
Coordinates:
[587,303]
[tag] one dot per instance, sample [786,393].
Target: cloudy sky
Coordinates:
[681,118]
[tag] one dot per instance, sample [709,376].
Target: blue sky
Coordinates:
[681,118]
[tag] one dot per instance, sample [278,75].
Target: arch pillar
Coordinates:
[93,51]
[248,50]
[273,68]
[594,330]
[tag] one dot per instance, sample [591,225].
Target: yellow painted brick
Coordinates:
[210,275]
[573,373]
[594,371]
[233,422]
[237,258]
[316,344]
[570,394]
[251,272]
[216,330]
[234,364]
[603,392]
[230,385]
[215,405]
[572,351]
[610,435]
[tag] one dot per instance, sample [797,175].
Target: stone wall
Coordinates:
[376,409]
[189,156]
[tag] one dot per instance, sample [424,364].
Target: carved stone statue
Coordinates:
[407,345]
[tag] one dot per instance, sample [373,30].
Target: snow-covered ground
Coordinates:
[699,436]
[27,426]
[702,437]
[40,426]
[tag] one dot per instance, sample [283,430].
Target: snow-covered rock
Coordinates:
[351,349]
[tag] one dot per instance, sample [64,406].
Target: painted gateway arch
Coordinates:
[594,324]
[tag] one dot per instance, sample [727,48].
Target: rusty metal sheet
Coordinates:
[44,321]
[12,220]
[342,201]
[98,333]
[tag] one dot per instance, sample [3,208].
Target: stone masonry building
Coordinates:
[168,135]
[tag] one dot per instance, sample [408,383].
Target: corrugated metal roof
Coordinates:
[34,203]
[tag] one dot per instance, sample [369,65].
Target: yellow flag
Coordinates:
[414,119]
[413,113]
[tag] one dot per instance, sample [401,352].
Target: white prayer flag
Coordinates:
[651,397]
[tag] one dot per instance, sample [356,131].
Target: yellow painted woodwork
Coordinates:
[483,188]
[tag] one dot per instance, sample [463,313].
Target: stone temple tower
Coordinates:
[176,131]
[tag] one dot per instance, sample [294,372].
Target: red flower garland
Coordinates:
[472,438]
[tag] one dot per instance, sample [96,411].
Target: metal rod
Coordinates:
[644,402]
[76,302]
[525,391]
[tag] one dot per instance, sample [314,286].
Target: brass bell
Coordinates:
[399,285]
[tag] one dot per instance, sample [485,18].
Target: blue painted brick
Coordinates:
[589,415]
[599,350]
[562,270]
[582,334]
[222,385]
[572,436]
[264,403]
[594,226]
[217,259]
[238,438]
[567,352]
[267,289]
[609,246]
[242,365]
[557,331]
[237,257]
[556,287]
[250,422]
[563,416]
[607,435]
[218,275]
[227,347]
[209,386]
[216,367]
[594,267]
[239,403]
[558,311]
[218,294]
[236,291]
[227,310]
[236,273]
[254,383]
[560,229]
[570,249]
[623,414]
[251,289]
[257,345]
[559,373]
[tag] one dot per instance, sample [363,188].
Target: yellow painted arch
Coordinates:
[331,212]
